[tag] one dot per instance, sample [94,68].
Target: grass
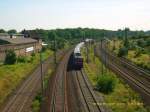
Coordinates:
[116,45]
[12,75]
[142,60]
[123,98]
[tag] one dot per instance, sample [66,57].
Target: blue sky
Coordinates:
[51,14]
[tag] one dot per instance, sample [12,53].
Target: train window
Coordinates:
[78,54]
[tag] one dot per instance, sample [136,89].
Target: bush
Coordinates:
[29,59]
[132,46]
[36,103]
[148,42]
[141,43]
[21,59]
[33,54]
[137,53]
[106,84]
[36,106]
[44,49]
[10,57]
[123,52]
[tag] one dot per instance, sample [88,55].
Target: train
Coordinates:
[77,57]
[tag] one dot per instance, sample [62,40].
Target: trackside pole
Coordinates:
[55,50]
[41,67]
[101,60]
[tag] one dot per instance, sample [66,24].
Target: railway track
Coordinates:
[91,102]
[19,101]
[126,67]
[21,98]
[57,91]
[70,91]
[139,71]
[130,66]
[59,99]
[140,82]
[74,100]
[136,67]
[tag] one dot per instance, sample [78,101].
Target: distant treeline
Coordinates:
[72,34]
[12,31]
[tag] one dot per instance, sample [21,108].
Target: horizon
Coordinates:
[61,14]
[73,28]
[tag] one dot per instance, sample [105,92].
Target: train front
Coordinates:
[78,59]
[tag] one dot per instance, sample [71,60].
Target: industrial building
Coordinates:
[21,45]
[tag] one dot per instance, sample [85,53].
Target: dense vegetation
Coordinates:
[122,98]
[70,36]
[137,50]
[12,31]
[81,33]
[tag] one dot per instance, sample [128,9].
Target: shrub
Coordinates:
[148,42]
[141,43]
[21,59]
[39,97]
[105,84]
[123,52]
[44,48]
[126,43]
[36,103]
[33,54]
[29,59]
[132,46]
[10,57]
[36,106]
[137,53]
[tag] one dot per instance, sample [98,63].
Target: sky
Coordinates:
[52,14]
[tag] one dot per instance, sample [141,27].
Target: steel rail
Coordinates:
[90,92]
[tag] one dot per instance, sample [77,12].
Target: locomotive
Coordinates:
[77,57]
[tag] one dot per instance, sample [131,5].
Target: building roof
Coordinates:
[18,40]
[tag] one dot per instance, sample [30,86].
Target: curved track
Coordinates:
[19,102]
[69,91]
[21,99]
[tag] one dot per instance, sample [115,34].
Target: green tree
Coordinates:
[148,42]
[141,43]
[2,31]
[13,31]
[123,51]
[126,42]
[10,57]
[53,39]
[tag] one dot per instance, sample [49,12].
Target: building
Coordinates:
[21,45]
